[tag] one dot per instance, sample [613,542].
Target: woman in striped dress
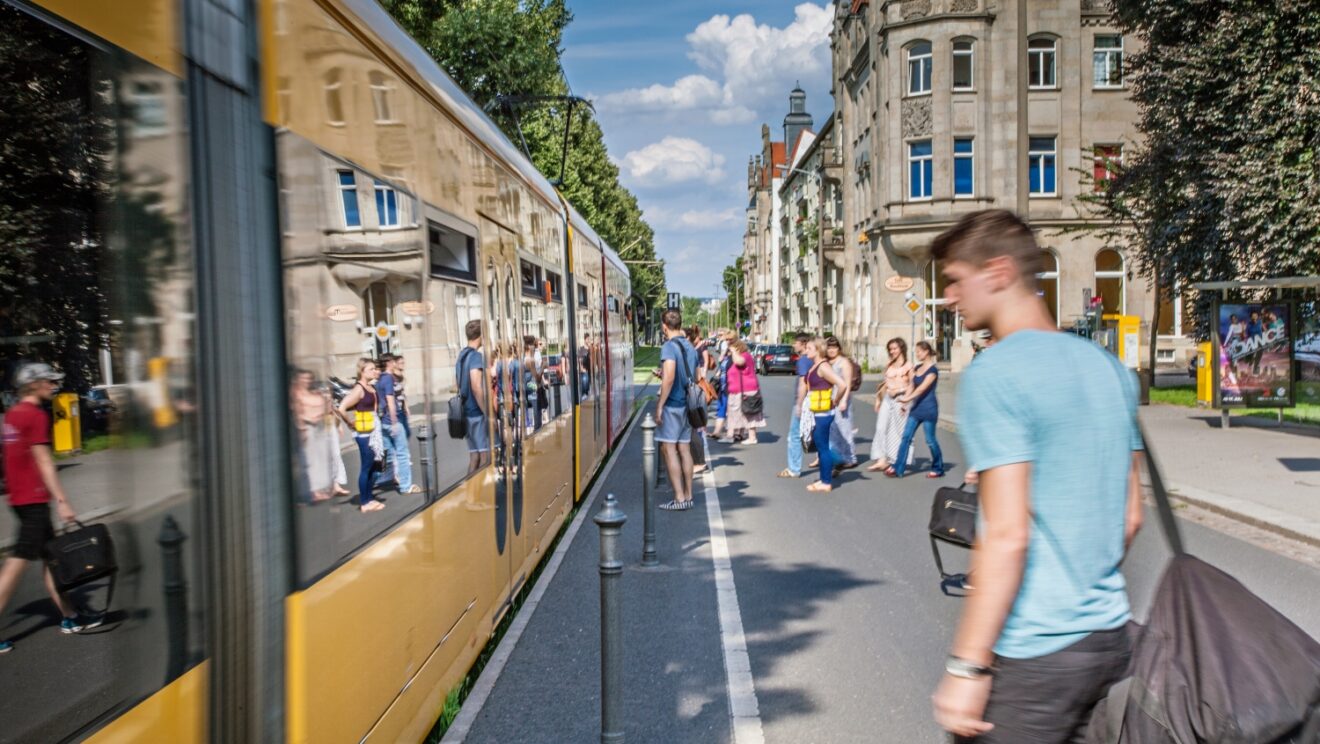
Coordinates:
[893,414]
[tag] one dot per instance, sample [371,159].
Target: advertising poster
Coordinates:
[1254,345]
[1306,351]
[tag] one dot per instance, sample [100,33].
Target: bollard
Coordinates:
[175,586]
[649,557]
[610,520]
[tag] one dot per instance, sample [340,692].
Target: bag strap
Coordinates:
[463,380]
[1162,506]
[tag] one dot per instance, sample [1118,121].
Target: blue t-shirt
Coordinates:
[1069,408]
[469,361]
[682,366]
[803,366]
[926,407]
[385,386]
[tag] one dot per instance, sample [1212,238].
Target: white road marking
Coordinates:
[743,707]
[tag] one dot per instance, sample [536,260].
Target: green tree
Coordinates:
[495,48]
[1225,183]
[733,287]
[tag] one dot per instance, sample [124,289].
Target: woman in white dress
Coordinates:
[892,414]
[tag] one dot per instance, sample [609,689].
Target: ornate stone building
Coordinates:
[945,107]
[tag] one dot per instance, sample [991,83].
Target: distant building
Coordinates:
[811,245]
[761,255]
[929,113]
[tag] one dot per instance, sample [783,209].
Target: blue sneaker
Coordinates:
[78,624]
[6,647]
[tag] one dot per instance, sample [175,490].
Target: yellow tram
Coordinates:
[281,191]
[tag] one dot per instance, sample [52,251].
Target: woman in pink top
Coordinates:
[743,385]
[892,414]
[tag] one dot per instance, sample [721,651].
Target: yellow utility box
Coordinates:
[1124,338]
[162,408]
[68,426]
[1205,374]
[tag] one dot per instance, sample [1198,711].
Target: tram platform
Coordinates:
[674,689]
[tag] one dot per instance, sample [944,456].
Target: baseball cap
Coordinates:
[35,372]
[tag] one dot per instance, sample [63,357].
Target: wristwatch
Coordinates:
[956,667]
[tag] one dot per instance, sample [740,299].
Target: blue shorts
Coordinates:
[478,434]
[673,426]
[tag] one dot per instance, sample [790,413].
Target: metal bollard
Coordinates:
[171,540]
[649,557]
[610,520]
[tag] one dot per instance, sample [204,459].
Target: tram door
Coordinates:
[505,364]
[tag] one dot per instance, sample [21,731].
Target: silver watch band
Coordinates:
[957,667]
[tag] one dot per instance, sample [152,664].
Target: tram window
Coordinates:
[556,286]
[453,254]
[97,233]
[346,302]
[531,279]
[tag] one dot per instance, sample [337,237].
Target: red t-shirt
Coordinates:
[26,425]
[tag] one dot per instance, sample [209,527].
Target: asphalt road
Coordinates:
[846,624]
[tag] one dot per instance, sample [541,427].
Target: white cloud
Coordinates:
[753,60]
[673,160]
[706,219]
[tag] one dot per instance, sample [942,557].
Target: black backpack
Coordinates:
[455,413]
[1214,662]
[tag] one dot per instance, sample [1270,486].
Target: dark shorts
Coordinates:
[34,531]
[1049,699]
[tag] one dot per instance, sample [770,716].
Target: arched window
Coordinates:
[1111,281]
[919,68]
[963,58]
[381,92]
[334,104]
[1047,282]
[1041,54]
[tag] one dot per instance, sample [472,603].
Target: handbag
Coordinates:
[80,556]
[752,404]
[454,413]
[1214,662]
[952,520]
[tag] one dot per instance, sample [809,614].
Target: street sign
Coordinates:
[675,301]
[912,303]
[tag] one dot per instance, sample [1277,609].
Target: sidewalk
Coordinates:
[674,685]
[1255,471]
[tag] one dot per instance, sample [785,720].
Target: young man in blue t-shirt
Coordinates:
[1049,421]
[678,361]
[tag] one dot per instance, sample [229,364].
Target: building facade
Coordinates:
[946,107]
[811,212]
[761,266]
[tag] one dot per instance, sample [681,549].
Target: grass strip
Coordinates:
[1185,396]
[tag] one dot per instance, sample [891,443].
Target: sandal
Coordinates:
[891,473]
[815,463]
[786,473]
[415,489]
[934,475]
[819,487]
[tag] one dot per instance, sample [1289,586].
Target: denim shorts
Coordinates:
[673,426]
[478,434]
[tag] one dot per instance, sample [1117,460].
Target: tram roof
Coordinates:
[465,109]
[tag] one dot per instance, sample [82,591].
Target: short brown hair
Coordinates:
[473,330]
[672,319]
[981,236]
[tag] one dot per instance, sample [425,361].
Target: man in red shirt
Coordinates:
[30,476]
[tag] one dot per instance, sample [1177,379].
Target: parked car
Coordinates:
[776,358]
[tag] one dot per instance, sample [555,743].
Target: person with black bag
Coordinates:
[746,406]
[469,421]
[32,481]
[1047,420]
[673,431]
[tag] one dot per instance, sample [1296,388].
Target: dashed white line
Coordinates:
[743,707]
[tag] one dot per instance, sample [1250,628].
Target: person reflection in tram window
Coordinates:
[358,410]
[531,376]
[393,421]
[584,366]
[315,474]
[33,484]
[473,387]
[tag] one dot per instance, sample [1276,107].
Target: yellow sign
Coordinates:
[913,306]
[382,331]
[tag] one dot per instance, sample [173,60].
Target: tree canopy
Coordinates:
[1225,183]
[495,48]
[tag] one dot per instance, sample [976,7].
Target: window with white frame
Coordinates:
[334,103]
[919,68]
[348,196]
[146,102]
[387,205]
[381,92]
[1047,282]
[1042,155]
[962,65]
[1111,282]
[1107,62]
[964,167]
[1040,63]
[921,165]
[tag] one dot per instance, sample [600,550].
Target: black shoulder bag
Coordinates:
[952,520]
[82,555]
[455,413]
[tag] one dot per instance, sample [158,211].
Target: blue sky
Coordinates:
[681,89]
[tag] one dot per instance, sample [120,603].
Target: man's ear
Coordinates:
[1002,272]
